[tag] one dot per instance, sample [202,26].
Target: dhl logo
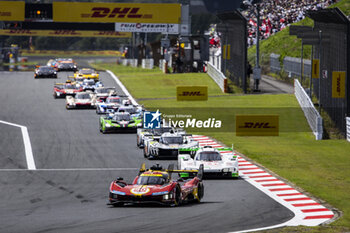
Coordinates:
[5,13]
[64,32]
[259,125]
[191,93]
[118,12]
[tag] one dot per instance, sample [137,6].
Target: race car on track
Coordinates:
[45,72]
[103,92]
[136,111]
[65,64]
[155,185]
[168,145]
[61,90]
[119,122]
[87,73]
[216,162]
[88,84]
[111,105]
[81,100]
[153,134]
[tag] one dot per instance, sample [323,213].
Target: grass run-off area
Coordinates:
[321,168]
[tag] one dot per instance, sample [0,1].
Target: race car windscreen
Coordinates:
[89,82]
[102,90]
[86,71]
[209,156]
[45,69]
[129,110]
[122,117]
[82,96]
[70,86]
[113,100]
[151,180]
[172,140]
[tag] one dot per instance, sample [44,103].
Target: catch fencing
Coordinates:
[291,66]
[312,115]
[218,77]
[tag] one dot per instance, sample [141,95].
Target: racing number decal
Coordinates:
[139,191]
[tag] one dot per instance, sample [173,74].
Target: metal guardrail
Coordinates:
[312,115]
[218,77]
[348,129]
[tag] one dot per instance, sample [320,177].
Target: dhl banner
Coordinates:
[338,84]
[64,33]
[257,125]
[116,12]
[191,93]
[11,11]
[315,68]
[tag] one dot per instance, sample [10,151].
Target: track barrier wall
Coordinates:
[218,77]
[312,115]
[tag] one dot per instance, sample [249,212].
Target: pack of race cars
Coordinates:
[117,114]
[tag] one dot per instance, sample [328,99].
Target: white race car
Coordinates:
[224,164]
[81,100]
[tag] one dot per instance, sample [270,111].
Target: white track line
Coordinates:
[72,169]
[27,145]
[122,87]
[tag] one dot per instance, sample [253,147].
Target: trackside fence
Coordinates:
[218,77]
[348,129]
[312,115]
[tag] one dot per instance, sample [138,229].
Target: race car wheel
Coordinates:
[200,191]
[177,198]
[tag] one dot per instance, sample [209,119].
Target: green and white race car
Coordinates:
[119,122]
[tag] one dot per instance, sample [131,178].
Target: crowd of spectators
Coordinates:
[275,15]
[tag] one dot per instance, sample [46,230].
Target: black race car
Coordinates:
[45,72]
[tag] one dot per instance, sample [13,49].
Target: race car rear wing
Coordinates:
[171,170]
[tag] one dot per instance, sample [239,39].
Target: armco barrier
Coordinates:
[218,77]
[348,128]
[313,117]
[147,63]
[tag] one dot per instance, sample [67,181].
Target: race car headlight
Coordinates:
[139,124]
[55,72]
[166,197]
[226,170]
[108,125]
[160,193]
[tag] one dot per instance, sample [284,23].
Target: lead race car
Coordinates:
[217,162]
[45,72]
[155,185]
[168,145]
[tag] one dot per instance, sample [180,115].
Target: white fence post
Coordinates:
[312,115]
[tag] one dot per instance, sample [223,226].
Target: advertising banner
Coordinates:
[257,125]
[11,11]
[147,27]
[116,12]
[64,33]
[191,93]
[338,84]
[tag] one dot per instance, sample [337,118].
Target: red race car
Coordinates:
[155,185]
[61,90]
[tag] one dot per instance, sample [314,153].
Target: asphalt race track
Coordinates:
[76,163]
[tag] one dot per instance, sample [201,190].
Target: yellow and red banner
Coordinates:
[116,12]
[191,93]
[257,125]
[64,33]
[338,84]
[11,11]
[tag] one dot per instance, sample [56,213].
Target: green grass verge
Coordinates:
[321,168]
